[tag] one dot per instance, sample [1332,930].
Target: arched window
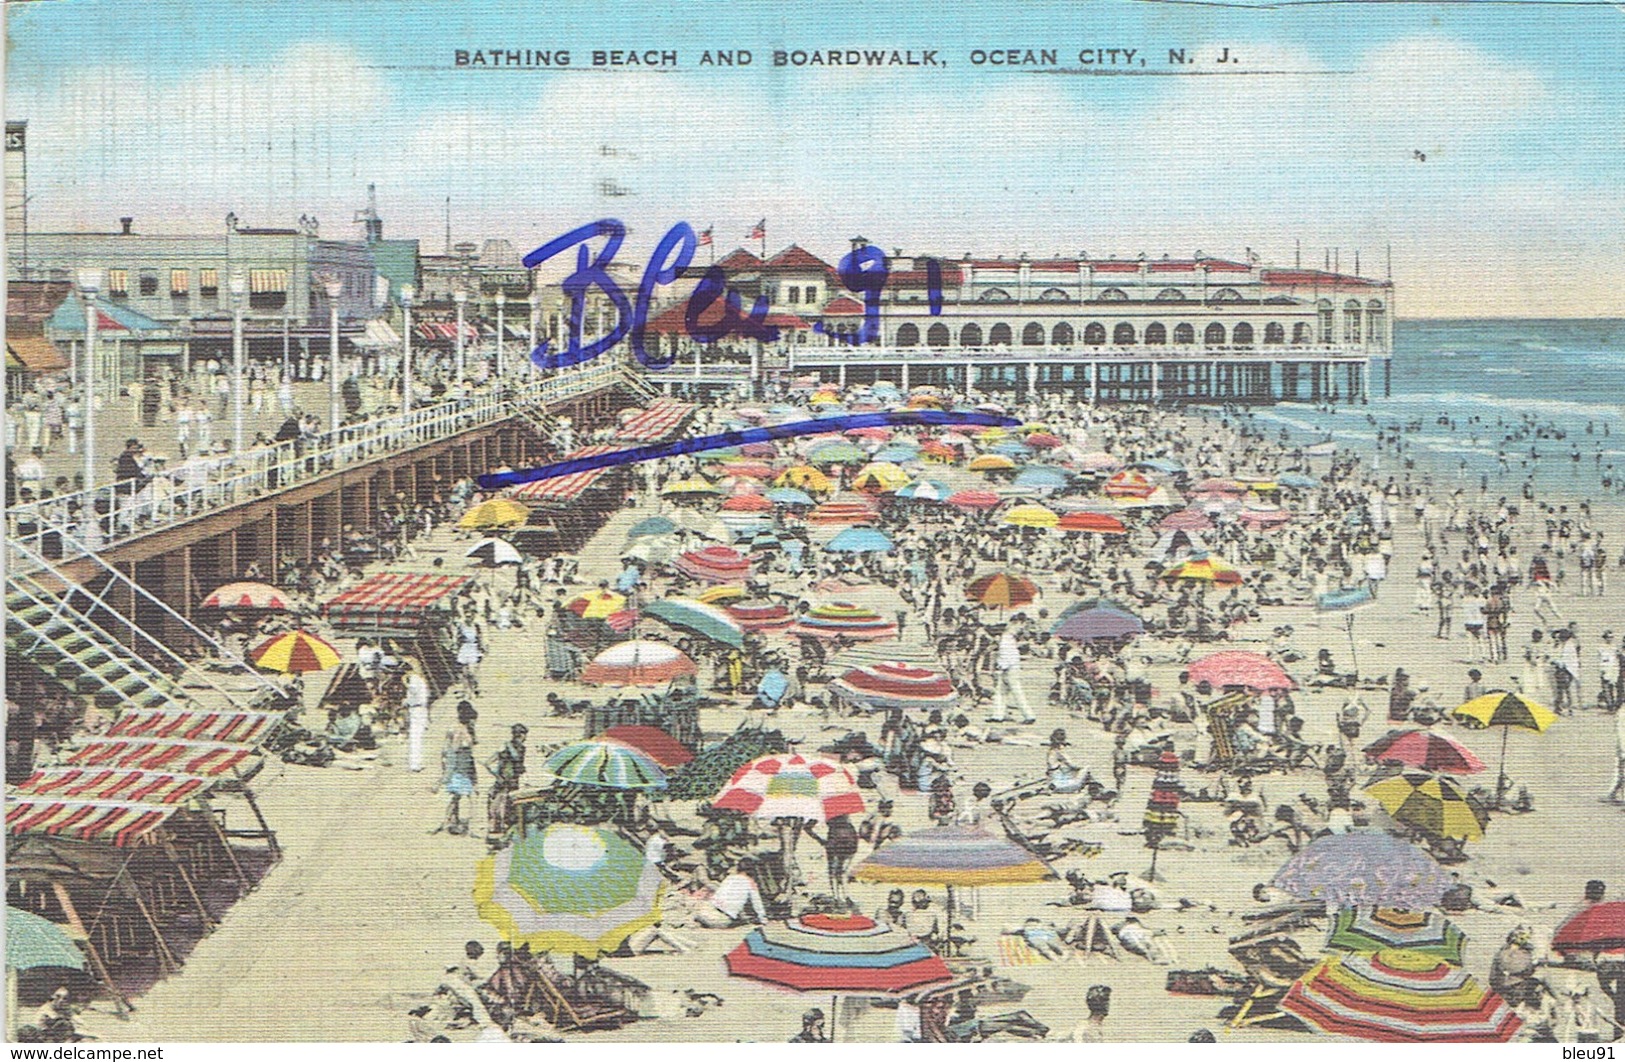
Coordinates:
[1184,335]
[1094,334]
[1225,295]
[1170,295]
[1300,333]
[936,336]
[1274,332]
[908,336]
[1156,334]
[999,336]
[1375,327]
[1123,335]
[1032,335]
[1062,335]
[1213,336]
[1323,311]
[1242,335]
[1112,295]
[1054,295]
[1351,321]
[994,295]
[970,335]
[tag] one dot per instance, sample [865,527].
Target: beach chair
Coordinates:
[1273,964]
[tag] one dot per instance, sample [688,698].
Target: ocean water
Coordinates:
[1465,391]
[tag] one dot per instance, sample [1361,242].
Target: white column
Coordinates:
[501,301]
[1094,382]
[239,291]
[90,282]
[904,378]
[406,349]
[461,298]
[333,285]
[1156,382]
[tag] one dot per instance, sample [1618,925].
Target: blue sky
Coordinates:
[282,108]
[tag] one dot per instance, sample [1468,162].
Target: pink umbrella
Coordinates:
[975,499]
[1235,667]
[1186,520]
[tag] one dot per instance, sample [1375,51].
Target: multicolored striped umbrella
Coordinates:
[764,617]
[1203,567]
[638,663]
[1371,869]
[1002,590]
[836,954]
[1398,996]
[1432,803]
[1423,749]
[294,653]
[703,619]
[844,620]
[33,942]
[652,742]
[894,684]
[847,513]
[606,763]
[1162,809]
[791,786]
[714,564]
[1372,929]
[953,856]
[596,604]
[259,596]
[575,889]
[1128,484]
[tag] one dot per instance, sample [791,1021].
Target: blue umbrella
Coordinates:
[789,496]
[897,453]
[1099,624]
[1011,448]
[860,540]
[924,490]
[653,525]
[746,530]
[1162,464]
[1297,481]
[1044,476]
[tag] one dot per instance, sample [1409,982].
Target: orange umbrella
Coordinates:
[1002,590]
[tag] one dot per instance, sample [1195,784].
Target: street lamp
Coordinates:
[406,349]
[460,297]
[90,282]
[501,301]
[238,285]
[333,284]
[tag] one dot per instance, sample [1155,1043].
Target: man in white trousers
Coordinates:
[1007,689]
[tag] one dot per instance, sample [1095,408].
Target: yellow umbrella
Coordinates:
[806,477]
[1431,803]
[993,434]
[498,512]
[991,463]
[880,475]
[596,604]
[1506,710]
[1031,516]
[718,594]
[295,652]
[689,486]
[825,398]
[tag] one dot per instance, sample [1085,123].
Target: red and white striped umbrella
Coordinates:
[791,786]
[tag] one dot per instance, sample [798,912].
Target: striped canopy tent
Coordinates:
[894,684]
[714,564]
[571,889]
[845,513]
[790,785]
[605,763]
[1364,930]
[258,596]
[1364,869]
[763,617]
[843,619]
[1397,996]
[192,724]
[638,663]
[839,954]
[294,652]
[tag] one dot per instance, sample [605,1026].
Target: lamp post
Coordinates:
[239,291]
[501,301]
[406,349]
[535,319]
[90,282]
[333,285]
[460,297]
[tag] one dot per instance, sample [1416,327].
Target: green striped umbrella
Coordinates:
[606,763]
[705,620]
[33,941]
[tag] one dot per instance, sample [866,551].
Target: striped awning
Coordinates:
[564,488]
[243,728]
[121,824]
[267,281]
[393,600]
[34,353]
[658,421]
[107,784]
[209,759]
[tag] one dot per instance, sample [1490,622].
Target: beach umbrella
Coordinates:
[924,490]
[570,889]
[937,450]
[1186,520]
[638,663]
[596,604]
[1398,996]
[894,684]
[897,453]
[497,512]
[1372,868]
[605,763]
[836,453]
[1165,465]
[875,434]
[653,742]
[1297,481]
[992,434]
[1031,516]
[1431,803]
[650,526]
[765,617]
[1236,667]
[991,463]
[789,785]
[716,595]
[1097,462]
[294,653]
[747,503]
[653,549]
[1594,930]
[1506,710]
[1098,523]
[789,496]
[1043,477]
[975,500]
[805,477]
[852,512]
[1203,567]
[33,942]
[1371,929]
[1043,440]
[760,449]
[1423,749]
[259,596]
[860,540]
[1013,448]
[842,619]
[1002,590]
[1099,624]
[1219,486]
[837,953]
[1161,819]
[706,620]
[747,470]
[1128,484]
[880,477]
[494,551]
[691,486]
[714,564]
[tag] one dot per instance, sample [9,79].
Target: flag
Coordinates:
[705,238]
[760,231]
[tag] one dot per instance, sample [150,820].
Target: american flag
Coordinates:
[705,238]
[760,231]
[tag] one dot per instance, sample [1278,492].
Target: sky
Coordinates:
[1314,138]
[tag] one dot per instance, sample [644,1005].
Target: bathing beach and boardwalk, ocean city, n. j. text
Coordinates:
[862,525]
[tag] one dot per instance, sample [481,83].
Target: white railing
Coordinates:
[1272,351]
[67,526]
